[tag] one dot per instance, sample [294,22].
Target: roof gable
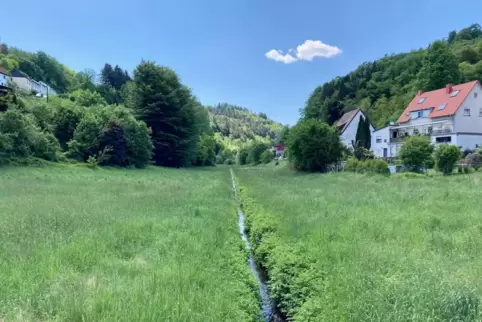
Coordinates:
[4,71]
[434,99]
[346,119]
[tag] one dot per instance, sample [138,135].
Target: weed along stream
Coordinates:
[268,307]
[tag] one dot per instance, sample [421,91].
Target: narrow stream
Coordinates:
[268,307]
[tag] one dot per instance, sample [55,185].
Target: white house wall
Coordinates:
[472,123]
[469,141]
[350,132]
[377,148]
[4,79]
[22,83]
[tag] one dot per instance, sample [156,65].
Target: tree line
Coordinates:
[115,118]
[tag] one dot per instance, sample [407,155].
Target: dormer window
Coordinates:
[454,93]
[441,107]
[421,100]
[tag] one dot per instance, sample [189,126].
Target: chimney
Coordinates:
[420,92]
[449,88]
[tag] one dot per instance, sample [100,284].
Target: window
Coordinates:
[454,93]
[443,139]
[379,139]
[421,100]
[466,111]
[441,107]
[480,112]
[420,113]
[475,95]
[385,140]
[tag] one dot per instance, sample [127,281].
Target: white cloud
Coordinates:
[315,48]
[277,55]
[306,51]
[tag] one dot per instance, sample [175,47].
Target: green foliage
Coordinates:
[439,67]
[367,166]
[114,133]
[237,126]
[313,145]
[87,98]
[229,162]
[416,153]
[20,136]
[363,138]
[255,152]
[206,155]
[242,156]
[446,156]
[266,157]
[219,159]
[170,110]
[67,117]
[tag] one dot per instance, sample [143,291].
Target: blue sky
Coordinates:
[218,47]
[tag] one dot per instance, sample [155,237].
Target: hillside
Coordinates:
[237,126]
[384,87]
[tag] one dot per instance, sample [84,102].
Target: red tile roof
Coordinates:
[439,97]
[4,71]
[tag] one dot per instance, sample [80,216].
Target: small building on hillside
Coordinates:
[347,125]
[5,79]
[26,83]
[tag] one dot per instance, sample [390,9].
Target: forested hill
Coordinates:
[383,88]
[238,125]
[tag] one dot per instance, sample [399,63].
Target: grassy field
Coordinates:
[347,247]
[121,245]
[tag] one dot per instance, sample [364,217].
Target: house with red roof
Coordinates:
[450,115]
[348,124]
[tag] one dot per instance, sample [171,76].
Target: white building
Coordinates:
[4,77]
[24,82]
[381,142]
[348,125]
[451,115]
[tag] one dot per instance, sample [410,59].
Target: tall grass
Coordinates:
[121,245]
[347,247]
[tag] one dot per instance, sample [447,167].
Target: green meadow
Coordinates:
[78,244]
[160,244]
[351,247]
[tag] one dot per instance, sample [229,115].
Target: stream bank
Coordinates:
[269,310]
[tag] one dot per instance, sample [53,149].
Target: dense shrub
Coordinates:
[206,151]
[112,129]
[446,156]
[367,166]
[416,153]
[474,160]
[20,136]
[242,156]
[67,117]
[219,159]
[266,157]
[229,161]
[255,152]
[313,145]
